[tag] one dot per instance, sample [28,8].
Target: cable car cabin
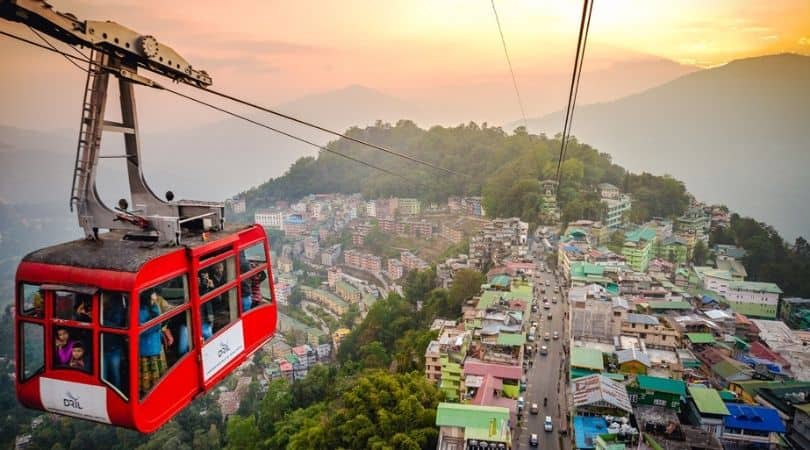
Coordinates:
[128,332]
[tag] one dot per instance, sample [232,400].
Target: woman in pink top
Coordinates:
[64,347]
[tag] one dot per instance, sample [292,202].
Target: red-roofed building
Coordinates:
[761,351]
[502,371]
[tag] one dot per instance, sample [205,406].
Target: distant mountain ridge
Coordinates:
[736,134]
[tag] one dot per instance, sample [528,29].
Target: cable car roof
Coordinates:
[112,252]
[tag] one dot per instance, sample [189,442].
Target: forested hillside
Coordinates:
[505,168]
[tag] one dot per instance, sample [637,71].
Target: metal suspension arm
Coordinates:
[107,37]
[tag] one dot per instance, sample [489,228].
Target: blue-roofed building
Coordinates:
[587,429]
[749,426]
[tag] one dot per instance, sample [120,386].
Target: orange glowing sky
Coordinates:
[277,50]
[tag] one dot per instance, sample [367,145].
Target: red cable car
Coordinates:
[128,334]
[127,326]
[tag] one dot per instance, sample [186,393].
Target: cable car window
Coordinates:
[32,350]
[73,348]
[216,275]
[32,300]
[163,343]
[218,312]
[255,253]
[256,290]
[115,361]
[114,309]
[170,293]
[72,306]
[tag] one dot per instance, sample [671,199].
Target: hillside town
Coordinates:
[599,335]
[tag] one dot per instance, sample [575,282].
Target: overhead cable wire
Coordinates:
[72,60]
[284,133]
[48,43]
[511,70]
[579,77]
[273,112]
[574,73]
[328,131]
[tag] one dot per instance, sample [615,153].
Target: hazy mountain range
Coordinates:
[736,134]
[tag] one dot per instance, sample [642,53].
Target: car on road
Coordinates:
[544,350]
[554,300]
[546,305]
[534,323]
[549,316]
[520,402]
[547,424]
[547,336]
[556,335]
[534,308]
[534,409]
[533,440]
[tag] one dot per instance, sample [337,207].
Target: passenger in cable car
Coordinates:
[114,314]
[256,286]
[64,347]
[77,358]
[38,301]
[83,310]
[152,356]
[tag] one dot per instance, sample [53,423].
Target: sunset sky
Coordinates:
[276,51]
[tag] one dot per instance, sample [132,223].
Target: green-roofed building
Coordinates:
[638,248]
[451,379]
[707,402]
[648,390]
[753,298]
[700,338]
[500,282]
[588,359]
[674,249]
[584,273]
[462,424]
[511,339]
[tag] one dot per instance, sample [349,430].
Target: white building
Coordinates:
[371,208]
[616,208]
[753,298]
[269,219]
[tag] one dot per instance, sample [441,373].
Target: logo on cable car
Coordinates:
[224,348]
[71,401]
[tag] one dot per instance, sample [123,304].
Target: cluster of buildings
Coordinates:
[477,362]
[498,242]
[469,206]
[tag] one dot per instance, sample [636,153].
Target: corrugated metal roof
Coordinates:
[755,418]
[658,384]
[587,358]
[596,389]
[708,401]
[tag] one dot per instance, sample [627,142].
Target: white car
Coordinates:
[556,335]
[546,305]
[544,350]
[547,424]
[534,440]
[535,408]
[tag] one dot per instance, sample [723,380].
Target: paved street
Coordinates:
[545,377]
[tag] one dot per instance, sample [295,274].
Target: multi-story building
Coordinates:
[371,208]
[395,269]
[451,233]
[331,255]
[371,263]
[638,248]
[237,205]
[549,213]
[387,225]
[616,209]
[326,299]
[333,275]
[295,225]
[338,336]
[499,240]
[269,219]
[673,249]
[311,248]
[471,206]
[353,258]
[608,191]
[409,206]
[433,363]
[656,334]
[454,204]
[347,292]
[422,229]
[753,298]
[795,312]
[283,291]
[695,220]
[412,262]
